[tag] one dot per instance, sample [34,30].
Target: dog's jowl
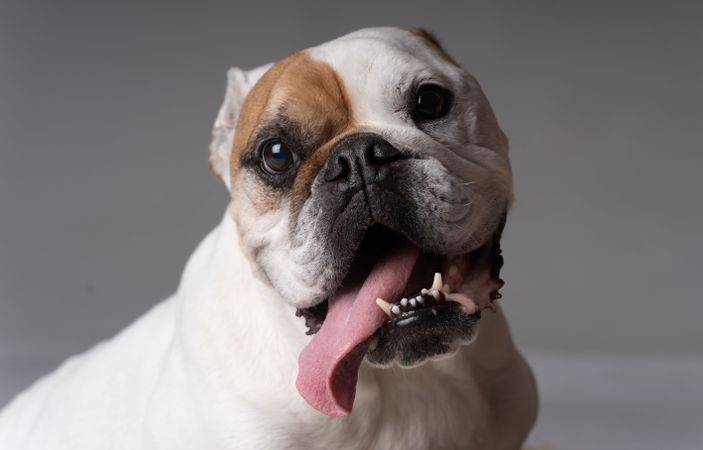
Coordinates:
[349,296]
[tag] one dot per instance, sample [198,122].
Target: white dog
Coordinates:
[337,304]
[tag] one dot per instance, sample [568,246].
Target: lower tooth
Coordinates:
[395,310]
[413,302]
[437,281]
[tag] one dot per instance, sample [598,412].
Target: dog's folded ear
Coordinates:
[432,41]
[239,83]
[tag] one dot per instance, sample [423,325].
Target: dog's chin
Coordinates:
[440,306]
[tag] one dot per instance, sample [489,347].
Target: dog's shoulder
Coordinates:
[95,395]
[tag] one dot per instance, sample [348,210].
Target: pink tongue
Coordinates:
[329,364]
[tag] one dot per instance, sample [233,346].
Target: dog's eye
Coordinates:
[431,102]
[276,157]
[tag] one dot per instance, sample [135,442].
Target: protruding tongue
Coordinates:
[328,366]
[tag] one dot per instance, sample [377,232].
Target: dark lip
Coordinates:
[314,316]
[412,318]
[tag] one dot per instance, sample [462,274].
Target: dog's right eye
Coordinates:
[276,157]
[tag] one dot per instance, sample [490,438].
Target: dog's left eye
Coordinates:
[276,157]
[431,102]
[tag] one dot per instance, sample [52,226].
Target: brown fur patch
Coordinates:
[306,92]
[432,41]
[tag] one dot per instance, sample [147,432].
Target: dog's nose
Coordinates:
[358,154]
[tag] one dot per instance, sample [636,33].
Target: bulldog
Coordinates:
[348,297]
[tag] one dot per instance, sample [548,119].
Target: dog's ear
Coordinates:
[239,83]
[432,41]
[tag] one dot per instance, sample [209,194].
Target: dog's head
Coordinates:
[358,170]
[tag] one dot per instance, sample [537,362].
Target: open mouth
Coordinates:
[435,279]
[397,304]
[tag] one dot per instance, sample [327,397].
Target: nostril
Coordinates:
[356,158]
[381,152]
[338,168]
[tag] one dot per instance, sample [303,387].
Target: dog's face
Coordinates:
[358,169]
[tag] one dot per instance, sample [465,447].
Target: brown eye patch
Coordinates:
[301,103]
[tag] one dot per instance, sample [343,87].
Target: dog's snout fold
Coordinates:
[358,157]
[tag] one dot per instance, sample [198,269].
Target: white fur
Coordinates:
[214,366]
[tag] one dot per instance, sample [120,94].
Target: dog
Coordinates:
[347,299]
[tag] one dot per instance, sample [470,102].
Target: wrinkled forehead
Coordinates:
[354,80]
[376,65]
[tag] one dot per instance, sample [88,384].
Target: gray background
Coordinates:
[105,115]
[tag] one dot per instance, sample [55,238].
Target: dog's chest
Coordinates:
[426,410]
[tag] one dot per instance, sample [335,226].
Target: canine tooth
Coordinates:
[404,301]
[437,281]
[395,310]
[413,302]
[385,306]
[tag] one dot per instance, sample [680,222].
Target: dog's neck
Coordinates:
[223,309]
[226,308]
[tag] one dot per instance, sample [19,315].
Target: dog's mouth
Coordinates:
[436,281]
[399,304]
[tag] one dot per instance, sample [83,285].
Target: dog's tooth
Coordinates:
[435,293]
[395,310]
[413,302]
[385,306]
[437,281]
[420,300]
[404,302]
[424,291]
